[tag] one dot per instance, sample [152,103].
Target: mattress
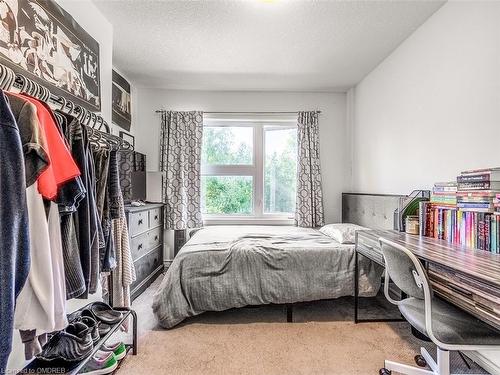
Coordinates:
[223,267]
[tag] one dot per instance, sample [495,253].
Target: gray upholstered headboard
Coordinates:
[375,211]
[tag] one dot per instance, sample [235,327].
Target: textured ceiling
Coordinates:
[258,45]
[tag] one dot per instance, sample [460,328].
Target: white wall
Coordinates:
[90,18]
[334,153]
[432,108]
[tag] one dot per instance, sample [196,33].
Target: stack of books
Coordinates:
[444,194]
[466,212]
[477,190]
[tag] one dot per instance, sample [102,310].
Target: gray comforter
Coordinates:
[233,266]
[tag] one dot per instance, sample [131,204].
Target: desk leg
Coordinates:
[356,298]
[356,287]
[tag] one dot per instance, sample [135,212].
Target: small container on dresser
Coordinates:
[145,224]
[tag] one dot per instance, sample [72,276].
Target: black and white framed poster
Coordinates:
[41,41]
[122,114]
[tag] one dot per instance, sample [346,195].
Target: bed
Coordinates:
[223,267]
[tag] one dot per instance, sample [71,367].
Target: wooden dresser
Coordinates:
[467,278]
[145,225]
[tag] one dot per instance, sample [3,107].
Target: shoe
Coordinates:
[104,329]
[105,313]
[89,319]
[71,344]
[119,349]
[100,366]
[94,328]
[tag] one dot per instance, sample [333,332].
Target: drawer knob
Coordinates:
[139,247]
[156,217]
[140,222]
[156,237]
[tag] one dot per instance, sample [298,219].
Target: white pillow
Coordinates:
[343,233]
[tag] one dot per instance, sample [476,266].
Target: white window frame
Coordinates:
[256,169]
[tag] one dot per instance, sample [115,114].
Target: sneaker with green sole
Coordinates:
[119,349]
[100,366]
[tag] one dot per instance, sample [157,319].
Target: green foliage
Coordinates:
[280,178]
[233,194]
[228,195]
[218,145]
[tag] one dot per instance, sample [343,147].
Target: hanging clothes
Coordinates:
[83,226]
[124,273]
[36,159]
[14,233]
[41,304]
[35,310]
[76,280]
[38,300]
[107,251]
[65,168]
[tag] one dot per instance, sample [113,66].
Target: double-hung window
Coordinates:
[249,169]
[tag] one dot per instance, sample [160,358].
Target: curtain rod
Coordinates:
[242,113]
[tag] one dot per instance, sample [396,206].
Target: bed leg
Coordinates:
[289,313]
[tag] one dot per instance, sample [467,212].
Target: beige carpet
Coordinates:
[259,341]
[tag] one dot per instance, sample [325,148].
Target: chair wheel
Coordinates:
[384,371]
[420,361]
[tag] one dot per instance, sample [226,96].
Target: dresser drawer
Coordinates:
[138,222]
[369,247]
[140,245]
[155,237]
[155,216]
[146,265]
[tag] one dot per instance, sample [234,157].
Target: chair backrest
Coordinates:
[405,269]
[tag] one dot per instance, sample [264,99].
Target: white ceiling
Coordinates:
[258,45]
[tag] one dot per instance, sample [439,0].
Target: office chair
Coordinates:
[446,325]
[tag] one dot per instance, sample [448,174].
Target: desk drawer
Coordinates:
[477,298]
[369,248]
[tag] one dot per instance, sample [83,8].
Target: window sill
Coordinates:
[245,220]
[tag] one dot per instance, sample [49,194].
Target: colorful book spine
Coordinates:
[479,230]
[485,177]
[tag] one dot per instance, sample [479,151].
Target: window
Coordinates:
[249,169]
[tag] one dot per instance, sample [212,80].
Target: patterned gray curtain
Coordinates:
[180,158]
[309,203]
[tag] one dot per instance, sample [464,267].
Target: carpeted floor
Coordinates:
[258,341]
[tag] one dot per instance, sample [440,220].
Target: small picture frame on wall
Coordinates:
[121,102]
[128,137]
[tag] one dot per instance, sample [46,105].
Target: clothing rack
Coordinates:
[99,129]
[246,112]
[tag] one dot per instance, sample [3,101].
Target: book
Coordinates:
[492,176]
[480,193]
[474,205]
[476,209]
[472,222]
[447,183]
[485,185]
[480,171]
[442,187]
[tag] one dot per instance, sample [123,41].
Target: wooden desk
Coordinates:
[469,279]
